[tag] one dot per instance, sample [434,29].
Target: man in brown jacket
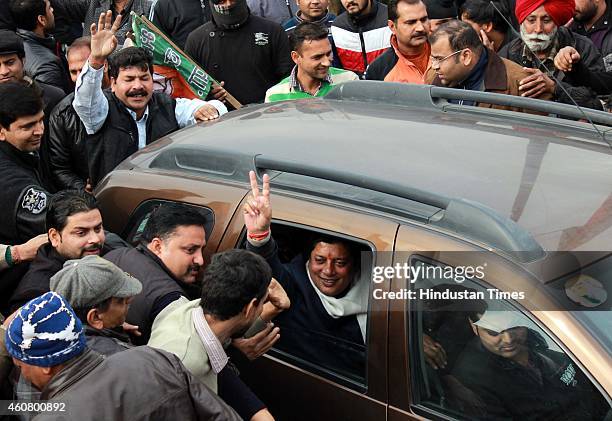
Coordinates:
[460,60]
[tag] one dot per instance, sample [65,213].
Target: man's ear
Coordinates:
[54,237]
[113,83]
[2,134]
[41,20]
[467,56]
[156,246]
[94,320]
[251,308]
[294,56]
[391,26]
[488,27]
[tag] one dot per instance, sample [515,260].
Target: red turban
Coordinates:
[561,11]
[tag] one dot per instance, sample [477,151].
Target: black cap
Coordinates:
[11,43]
[441,9]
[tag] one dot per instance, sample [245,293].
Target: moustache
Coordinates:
[94,247]
[139,92]
[419,34]
[195,267]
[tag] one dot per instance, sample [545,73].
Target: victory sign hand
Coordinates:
[257,209]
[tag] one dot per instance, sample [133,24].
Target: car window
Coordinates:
[325,330]
[477,357]
[140,216]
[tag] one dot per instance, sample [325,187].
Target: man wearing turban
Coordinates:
[543,34]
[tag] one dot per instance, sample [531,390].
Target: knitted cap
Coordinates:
[45,332]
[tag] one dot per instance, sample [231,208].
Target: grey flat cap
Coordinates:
[91,280]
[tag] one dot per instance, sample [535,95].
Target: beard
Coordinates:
[586,14]
[538,42]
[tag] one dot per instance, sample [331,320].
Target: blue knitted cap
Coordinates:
[45,332]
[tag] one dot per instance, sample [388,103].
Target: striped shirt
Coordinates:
[290,87]
[216,354]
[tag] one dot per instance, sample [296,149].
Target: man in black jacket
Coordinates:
[74,226]
[543,35]
[44,61]
[167,263]
[142,383]
[130,116]
[178,18]
[593,19]
[67,152]
[250,54]
[23,191]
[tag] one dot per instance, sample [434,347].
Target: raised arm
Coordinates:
[89,101]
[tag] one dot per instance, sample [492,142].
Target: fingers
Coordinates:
[102,21]
[254,187]
[206,113]
[93,29]
[535,92]
[116,23]
[266,186]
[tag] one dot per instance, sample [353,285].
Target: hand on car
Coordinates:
[565,58]
[257,209]
[103,40]
[278,301]
[260,343]
[205,113]
[435,355]
[536,84]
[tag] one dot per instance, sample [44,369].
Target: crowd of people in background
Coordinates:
[76,99]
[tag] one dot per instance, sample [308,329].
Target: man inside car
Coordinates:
[510,366]
[327,321]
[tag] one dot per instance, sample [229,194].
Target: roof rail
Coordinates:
[425,95]
[331,174]
[467,218]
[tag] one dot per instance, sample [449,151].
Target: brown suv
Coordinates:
[415,181]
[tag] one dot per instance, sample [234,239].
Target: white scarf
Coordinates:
[355,302]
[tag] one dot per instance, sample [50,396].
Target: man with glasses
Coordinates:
[460,60]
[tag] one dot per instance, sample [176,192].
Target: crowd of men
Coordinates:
[76,99]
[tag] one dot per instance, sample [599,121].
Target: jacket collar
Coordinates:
[322,21]
[25,159]
[496,77]
[47,41]
[74,371]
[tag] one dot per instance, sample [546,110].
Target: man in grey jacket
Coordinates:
[140,384]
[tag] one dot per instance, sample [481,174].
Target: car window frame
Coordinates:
[301,364]
[145,208]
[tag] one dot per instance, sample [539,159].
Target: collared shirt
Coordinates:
[297,87]
[92,106]
[529,60]
[216,354]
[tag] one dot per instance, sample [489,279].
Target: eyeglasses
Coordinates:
[435,60]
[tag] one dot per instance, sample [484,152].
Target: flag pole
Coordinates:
[230,98]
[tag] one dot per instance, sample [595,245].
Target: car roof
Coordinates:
[553,177]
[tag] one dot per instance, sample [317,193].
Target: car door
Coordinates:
[297,390]
[419,390]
